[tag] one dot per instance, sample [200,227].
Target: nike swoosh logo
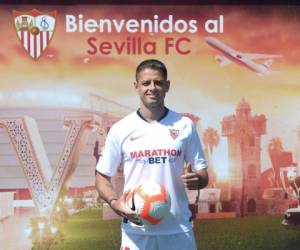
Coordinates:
[135,138]
[132,200]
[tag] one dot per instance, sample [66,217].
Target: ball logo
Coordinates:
[174,133]
[35,30]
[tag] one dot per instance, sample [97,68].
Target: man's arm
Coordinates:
[105,188]
[194,179]
[118,204]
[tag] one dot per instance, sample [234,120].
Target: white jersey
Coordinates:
[155,152]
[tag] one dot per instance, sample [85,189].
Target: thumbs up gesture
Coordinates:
[190,177]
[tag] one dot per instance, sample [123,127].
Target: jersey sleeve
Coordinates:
[193,152]
[111,155]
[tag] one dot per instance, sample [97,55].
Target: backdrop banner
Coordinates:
[67,75]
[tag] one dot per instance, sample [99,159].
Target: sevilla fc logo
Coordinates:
[174,133]
[35,30]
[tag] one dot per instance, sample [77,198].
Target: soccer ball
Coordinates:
[151,202]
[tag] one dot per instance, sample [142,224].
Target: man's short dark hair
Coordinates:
[152,64]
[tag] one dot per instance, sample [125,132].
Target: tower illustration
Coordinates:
[243,132]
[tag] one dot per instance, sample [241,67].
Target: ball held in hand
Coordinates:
[151,202]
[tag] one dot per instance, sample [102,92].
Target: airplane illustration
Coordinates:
[230,55]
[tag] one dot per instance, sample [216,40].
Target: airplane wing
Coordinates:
[223,60]
[273,72]
[261,56]
[269,73]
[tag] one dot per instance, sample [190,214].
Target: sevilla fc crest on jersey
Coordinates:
[35,30]
[174,133]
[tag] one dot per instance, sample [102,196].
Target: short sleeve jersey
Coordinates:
[155,152]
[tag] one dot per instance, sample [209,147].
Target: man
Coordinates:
[142,143]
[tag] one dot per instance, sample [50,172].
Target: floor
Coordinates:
[12,230]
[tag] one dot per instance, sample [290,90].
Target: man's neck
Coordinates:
[152,114]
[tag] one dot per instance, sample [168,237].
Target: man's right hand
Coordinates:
[120,207]
[106,192]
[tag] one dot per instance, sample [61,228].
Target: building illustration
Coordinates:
[243,132]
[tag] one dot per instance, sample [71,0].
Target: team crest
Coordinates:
[35,30]
[174,133]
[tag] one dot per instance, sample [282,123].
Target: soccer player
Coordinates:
[153,144]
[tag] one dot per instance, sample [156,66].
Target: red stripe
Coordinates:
[22,37]
[28,42]
[35,46]
[41,41]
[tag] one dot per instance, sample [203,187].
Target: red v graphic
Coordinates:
[43,183]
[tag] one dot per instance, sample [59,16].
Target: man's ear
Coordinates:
[135,85]
[167,85]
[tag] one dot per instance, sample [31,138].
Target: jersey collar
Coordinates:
[162,117]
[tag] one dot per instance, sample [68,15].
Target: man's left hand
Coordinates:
[194,179]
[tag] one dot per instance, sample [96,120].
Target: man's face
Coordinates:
[151,87]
